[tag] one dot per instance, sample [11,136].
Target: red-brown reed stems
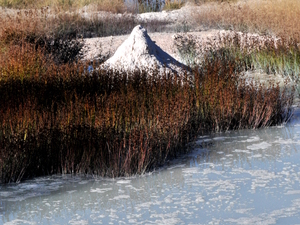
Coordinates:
[60,119]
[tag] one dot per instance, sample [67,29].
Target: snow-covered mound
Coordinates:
[138,51]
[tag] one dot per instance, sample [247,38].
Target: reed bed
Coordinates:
[57,118]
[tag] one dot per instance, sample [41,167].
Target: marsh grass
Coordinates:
[115,6]
[56,118]
[252,52]
[272,56]
[42,23]
[283,60]
[271,17]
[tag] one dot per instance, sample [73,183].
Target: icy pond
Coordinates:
[240,177]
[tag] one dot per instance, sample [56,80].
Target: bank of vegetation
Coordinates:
[265,17]
[57,117]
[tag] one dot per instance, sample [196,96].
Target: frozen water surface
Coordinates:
[240,177]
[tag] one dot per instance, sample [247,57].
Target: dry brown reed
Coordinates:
[60,119]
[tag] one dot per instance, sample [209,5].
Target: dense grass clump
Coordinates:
[57,118]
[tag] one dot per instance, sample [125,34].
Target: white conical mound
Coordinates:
[138,51]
